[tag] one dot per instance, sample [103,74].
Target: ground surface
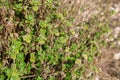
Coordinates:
[109,62]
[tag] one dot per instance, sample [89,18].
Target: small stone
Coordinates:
[97,78]
[117,56]
[119,42]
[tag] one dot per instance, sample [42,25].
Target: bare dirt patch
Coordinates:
[110,67]
[109,61]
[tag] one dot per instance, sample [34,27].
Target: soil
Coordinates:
[109,65]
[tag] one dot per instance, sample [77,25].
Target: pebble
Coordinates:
[117,56]
[97,78]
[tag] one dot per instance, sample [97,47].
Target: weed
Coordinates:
[49,41]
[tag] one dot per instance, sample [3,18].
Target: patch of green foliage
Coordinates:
[45,47]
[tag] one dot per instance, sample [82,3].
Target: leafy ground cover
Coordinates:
[51,39]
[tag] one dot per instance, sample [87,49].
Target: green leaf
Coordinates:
[42,56]
[39,78]
[56,32]
[73,47]
[42,24]
[90,59]
[57,46]
[32,57]
[62,40]
[2,77]
[14,73]
[68,76]
[22,66]
[98,34]
[20,0]
[1,27]
[13,56]
[35,8]
[17,43]
[14,49]
[42,31]
[52,59]
[13,66]
[68,23]
[49,1]
[20,56]
[51,78]
[8,72]
[1,65]
[30,17]
[18,7]
[41,39]
[27,68]
[35,2]
[15,78]
[27,38]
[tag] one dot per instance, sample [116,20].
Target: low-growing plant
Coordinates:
[48,41]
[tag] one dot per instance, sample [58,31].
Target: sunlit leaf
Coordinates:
[27,38]
[32,57]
